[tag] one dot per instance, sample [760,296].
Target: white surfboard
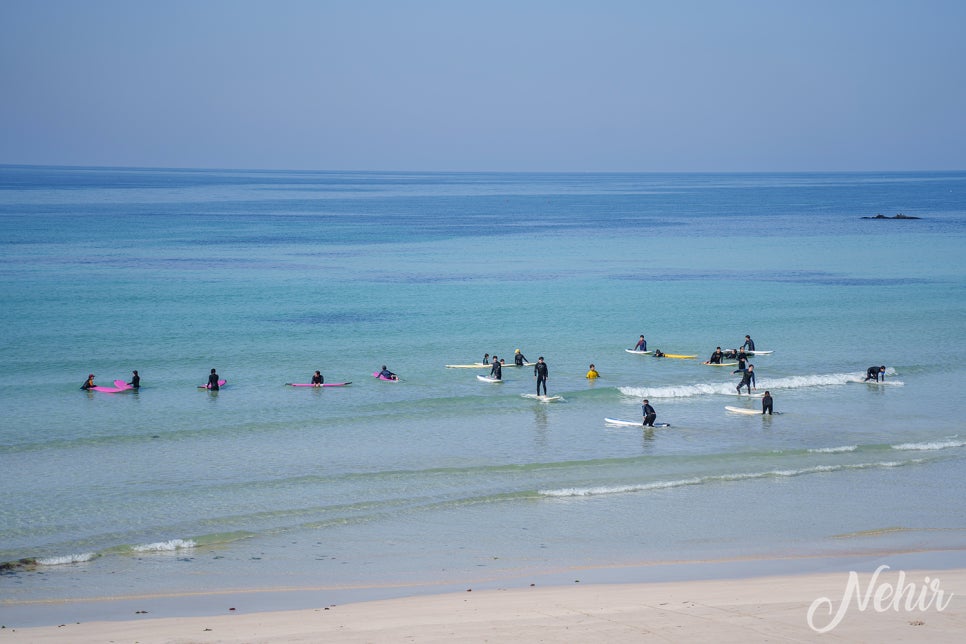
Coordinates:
[758,352]
[488,379]
[640,353]
[632,423]
[742,410]
[546,399]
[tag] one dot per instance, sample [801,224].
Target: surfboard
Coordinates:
[758,352]
[378,374]
[640,353]
[742,410]
[221,383]
[680,356]
[722,364]
[475,365]
[546,399]
[119,386]
[309,384]
[632,423]
[488,379]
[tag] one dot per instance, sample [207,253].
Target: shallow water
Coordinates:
[267,276]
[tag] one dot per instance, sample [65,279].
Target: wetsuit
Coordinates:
[766,404]
[715,357]
[496,371]
[213,382]
[872,373]
[135,381]
[741,366]
[88,383]
[519,359]
[749,344]
[747,380]
[541,371]
[649,415]
[641,345]
[317,379]
[388,375]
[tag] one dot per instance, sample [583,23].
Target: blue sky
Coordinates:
[603,85]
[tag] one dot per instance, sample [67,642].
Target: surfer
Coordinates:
[135,380]
[873,373]
[592,373]
[742,359]
[541,372]
[641,345]
[766,403]
[749,344]
[496,369]
[385,374]
[748,379]
[715,357]
[317,379]
[658,353]
[518,358]
[213,381]
[486,358]
[649,414]
[89,383]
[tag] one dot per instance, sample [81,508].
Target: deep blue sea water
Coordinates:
[268,276]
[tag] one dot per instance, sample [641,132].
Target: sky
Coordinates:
[485,85]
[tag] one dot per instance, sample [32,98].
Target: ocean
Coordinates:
[440,480]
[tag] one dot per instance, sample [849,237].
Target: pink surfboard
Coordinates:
[221,383]
[378,374]
[119,386]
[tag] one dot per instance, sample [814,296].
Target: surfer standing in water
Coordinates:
[317,379]
[766,403]
[496,369]
[213,381]
[541,372]
[135,380]
[518,358]
[89,383]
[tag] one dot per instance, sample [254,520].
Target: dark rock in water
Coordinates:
[898,216]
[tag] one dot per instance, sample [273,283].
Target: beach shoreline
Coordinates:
[887,603]
[699,599]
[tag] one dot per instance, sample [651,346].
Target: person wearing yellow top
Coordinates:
[592,374]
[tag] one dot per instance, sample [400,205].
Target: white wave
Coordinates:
[929,445]
[66,559]
[738,476]
[165,546]
[834,450]
[790,382]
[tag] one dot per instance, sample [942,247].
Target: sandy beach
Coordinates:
[883,605]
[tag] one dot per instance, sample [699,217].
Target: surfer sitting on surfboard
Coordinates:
[317,379]
[649,414]
[641,345]
[518,358]
[715,357]
[213,380]
[749,344]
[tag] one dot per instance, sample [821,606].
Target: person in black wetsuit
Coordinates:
[89,383]
[496,369]
[749,344]
[715,357]
[518,358]
[385,374]
[317,379]
[741,363]
[873,373]
[649,414]
[541,372]
[748,379]
[766,403]
[135,380]
[213,381]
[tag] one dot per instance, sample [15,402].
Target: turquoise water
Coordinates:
[267,276]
